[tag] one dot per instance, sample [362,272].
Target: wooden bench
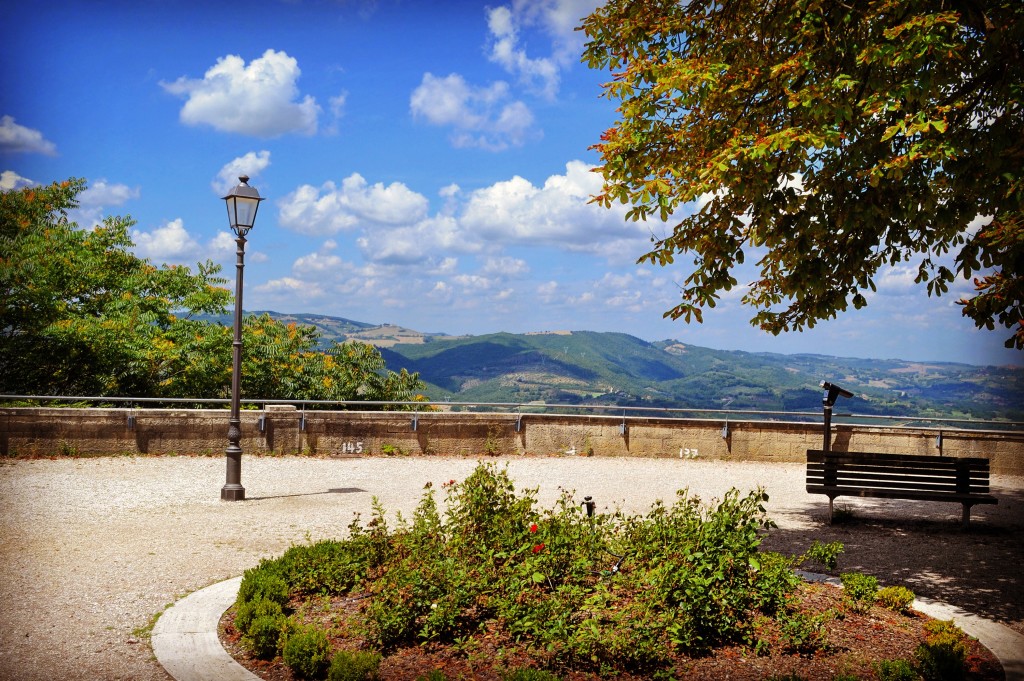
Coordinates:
[899,476]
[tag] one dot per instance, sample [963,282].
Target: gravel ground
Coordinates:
[92,549]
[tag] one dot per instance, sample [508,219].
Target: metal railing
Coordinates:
[523,408]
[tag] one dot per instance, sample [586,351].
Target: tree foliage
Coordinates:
[827,140]
[80,314]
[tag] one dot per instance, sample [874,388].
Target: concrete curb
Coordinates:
[186,643]
[185,639]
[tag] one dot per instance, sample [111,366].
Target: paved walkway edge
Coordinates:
[186,643]
[185,639]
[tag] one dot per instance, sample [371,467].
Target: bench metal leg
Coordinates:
[966,520]
[830,500]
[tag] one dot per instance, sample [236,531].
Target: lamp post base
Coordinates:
[232,493]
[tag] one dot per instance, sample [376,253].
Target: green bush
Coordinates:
[248,612]
[611,593]
[264,582]
[895,670]
[360,665]
[263,635]
[804,633]
[307,652]
[860,590]
[895,598]
[824,554]
[943,654]
[326,568]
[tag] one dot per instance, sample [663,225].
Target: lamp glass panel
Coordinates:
[245,211]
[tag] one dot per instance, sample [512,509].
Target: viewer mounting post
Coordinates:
[832,392]
[243,201]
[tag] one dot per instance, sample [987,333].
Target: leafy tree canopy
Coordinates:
[824,139]
[80,314]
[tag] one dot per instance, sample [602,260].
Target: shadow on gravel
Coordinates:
[334,490]
[921,545]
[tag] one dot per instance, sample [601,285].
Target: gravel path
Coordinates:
[91,549]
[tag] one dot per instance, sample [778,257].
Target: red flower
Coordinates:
[533,528]
[537,548]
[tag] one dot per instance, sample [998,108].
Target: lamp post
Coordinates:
[243,201]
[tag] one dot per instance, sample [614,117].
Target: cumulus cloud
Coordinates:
[558,212]
[416,243]
[100,195]
[557,19]
[539,74]
[16,138]
[330,209]
[170,242]
[103,193]
[251,164]
[481,117]
[11,180]
[261,99]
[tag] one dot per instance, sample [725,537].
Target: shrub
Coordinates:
[247,613]
[307,652]
[895,598]
[895,670]
[804,633]
[824,554]
[943,654]
[360,665]
[263,635]
[611,593]
[264,582]
[860,590]
[326,568]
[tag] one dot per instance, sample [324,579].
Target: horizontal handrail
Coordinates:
[532,407]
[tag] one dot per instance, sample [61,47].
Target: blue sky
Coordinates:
[425,164]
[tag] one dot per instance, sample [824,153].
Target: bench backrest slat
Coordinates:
[968,475]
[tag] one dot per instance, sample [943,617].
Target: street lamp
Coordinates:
[243,201]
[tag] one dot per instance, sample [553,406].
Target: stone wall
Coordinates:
[287,431]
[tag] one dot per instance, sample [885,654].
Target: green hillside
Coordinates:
[588,368]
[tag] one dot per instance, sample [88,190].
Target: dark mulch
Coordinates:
[855,643]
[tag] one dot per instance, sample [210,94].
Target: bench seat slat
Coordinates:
[902,494]
[896,486]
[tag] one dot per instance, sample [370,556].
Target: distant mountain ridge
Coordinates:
[587,367]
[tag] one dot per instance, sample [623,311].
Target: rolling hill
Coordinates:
[585,367]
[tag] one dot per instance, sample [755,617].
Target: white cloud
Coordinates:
[505,267]
[482,117]
[168,243]
[103,193]
[559,212]
[94,201]
[557,19]
[540,74]
[416,243]
[252,164]
[261,99]
[331,209]
[16,138]
[11,180]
